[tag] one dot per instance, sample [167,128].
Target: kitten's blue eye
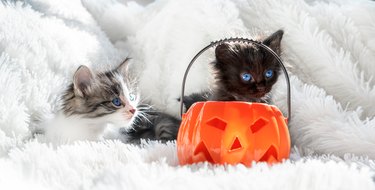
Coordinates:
[131,97]
[116,101]
[246,77]
[268,74]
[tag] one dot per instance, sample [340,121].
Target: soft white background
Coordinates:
[329,47]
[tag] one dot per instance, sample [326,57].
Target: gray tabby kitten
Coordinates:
[243,72]
[91,102]
[94,100]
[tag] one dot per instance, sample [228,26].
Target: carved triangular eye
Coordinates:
[236,145]
[217,123]
[259,124]
[201,148]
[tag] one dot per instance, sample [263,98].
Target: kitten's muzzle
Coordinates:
[261,89]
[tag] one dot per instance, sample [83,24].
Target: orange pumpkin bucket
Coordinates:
[233,132]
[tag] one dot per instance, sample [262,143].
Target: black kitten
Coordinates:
[243,72]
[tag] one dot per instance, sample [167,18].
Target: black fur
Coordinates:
[195,97]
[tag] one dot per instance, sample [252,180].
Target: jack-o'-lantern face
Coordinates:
[233,132]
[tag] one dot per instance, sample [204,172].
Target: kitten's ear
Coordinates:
[82,80]
[223,52]
[273,41]
[123,67]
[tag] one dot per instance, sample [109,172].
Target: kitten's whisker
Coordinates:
[145,107]
[143,115]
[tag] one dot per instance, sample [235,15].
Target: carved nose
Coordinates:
[132,111]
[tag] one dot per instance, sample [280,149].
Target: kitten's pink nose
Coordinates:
[132,111]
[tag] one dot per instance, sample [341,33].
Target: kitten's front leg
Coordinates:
[195,97]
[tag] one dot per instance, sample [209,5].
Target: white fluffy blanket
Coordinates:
[329,47]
